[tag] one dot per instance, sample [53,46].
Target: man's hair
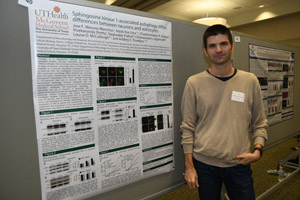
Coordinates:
[215,30]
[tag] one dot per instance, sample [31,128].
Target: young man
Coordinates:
[219,107]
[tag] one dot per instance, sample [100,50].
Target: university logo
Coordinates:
[55,13]
[53,19]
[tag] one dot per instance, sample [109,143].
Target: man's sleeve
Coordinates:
[188,112]
[259,120]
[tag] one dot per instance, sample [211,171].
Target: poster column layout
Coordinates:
[103,98]
[274,69]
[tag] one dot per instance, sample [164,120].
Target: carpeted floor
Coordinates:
[263,181]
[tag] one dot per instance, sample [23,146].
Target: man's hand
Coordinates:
[248,158]
[191,178]
[190,175]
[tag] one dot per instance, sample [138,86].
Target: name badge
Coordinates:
[238,96]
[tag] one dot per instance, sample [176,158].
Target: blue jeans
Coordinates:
[237,180]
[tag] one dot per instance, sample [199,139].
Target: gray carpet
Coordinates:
[289,190]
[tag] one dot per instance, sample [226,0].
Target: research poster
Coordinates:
[103,98]
[274,69]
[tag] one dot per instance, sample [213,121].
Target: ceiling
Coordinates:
[277,20]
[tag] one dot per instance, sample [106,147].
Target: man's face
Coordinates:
[218,49]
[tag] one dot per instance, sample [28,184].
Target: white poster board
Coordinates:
[274,69]
[103,98]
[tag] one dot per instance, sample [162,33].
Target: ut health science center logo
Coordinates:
[52,20]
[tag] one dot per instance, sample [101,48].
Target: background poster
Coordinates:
[274,69]
[103,98]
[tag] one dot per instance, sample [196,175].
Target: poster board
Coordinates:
[19,155]
[277,132]
[274,69]
[102,90]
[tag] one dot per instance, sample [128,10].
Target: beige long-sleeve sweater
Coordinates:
[218,116]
